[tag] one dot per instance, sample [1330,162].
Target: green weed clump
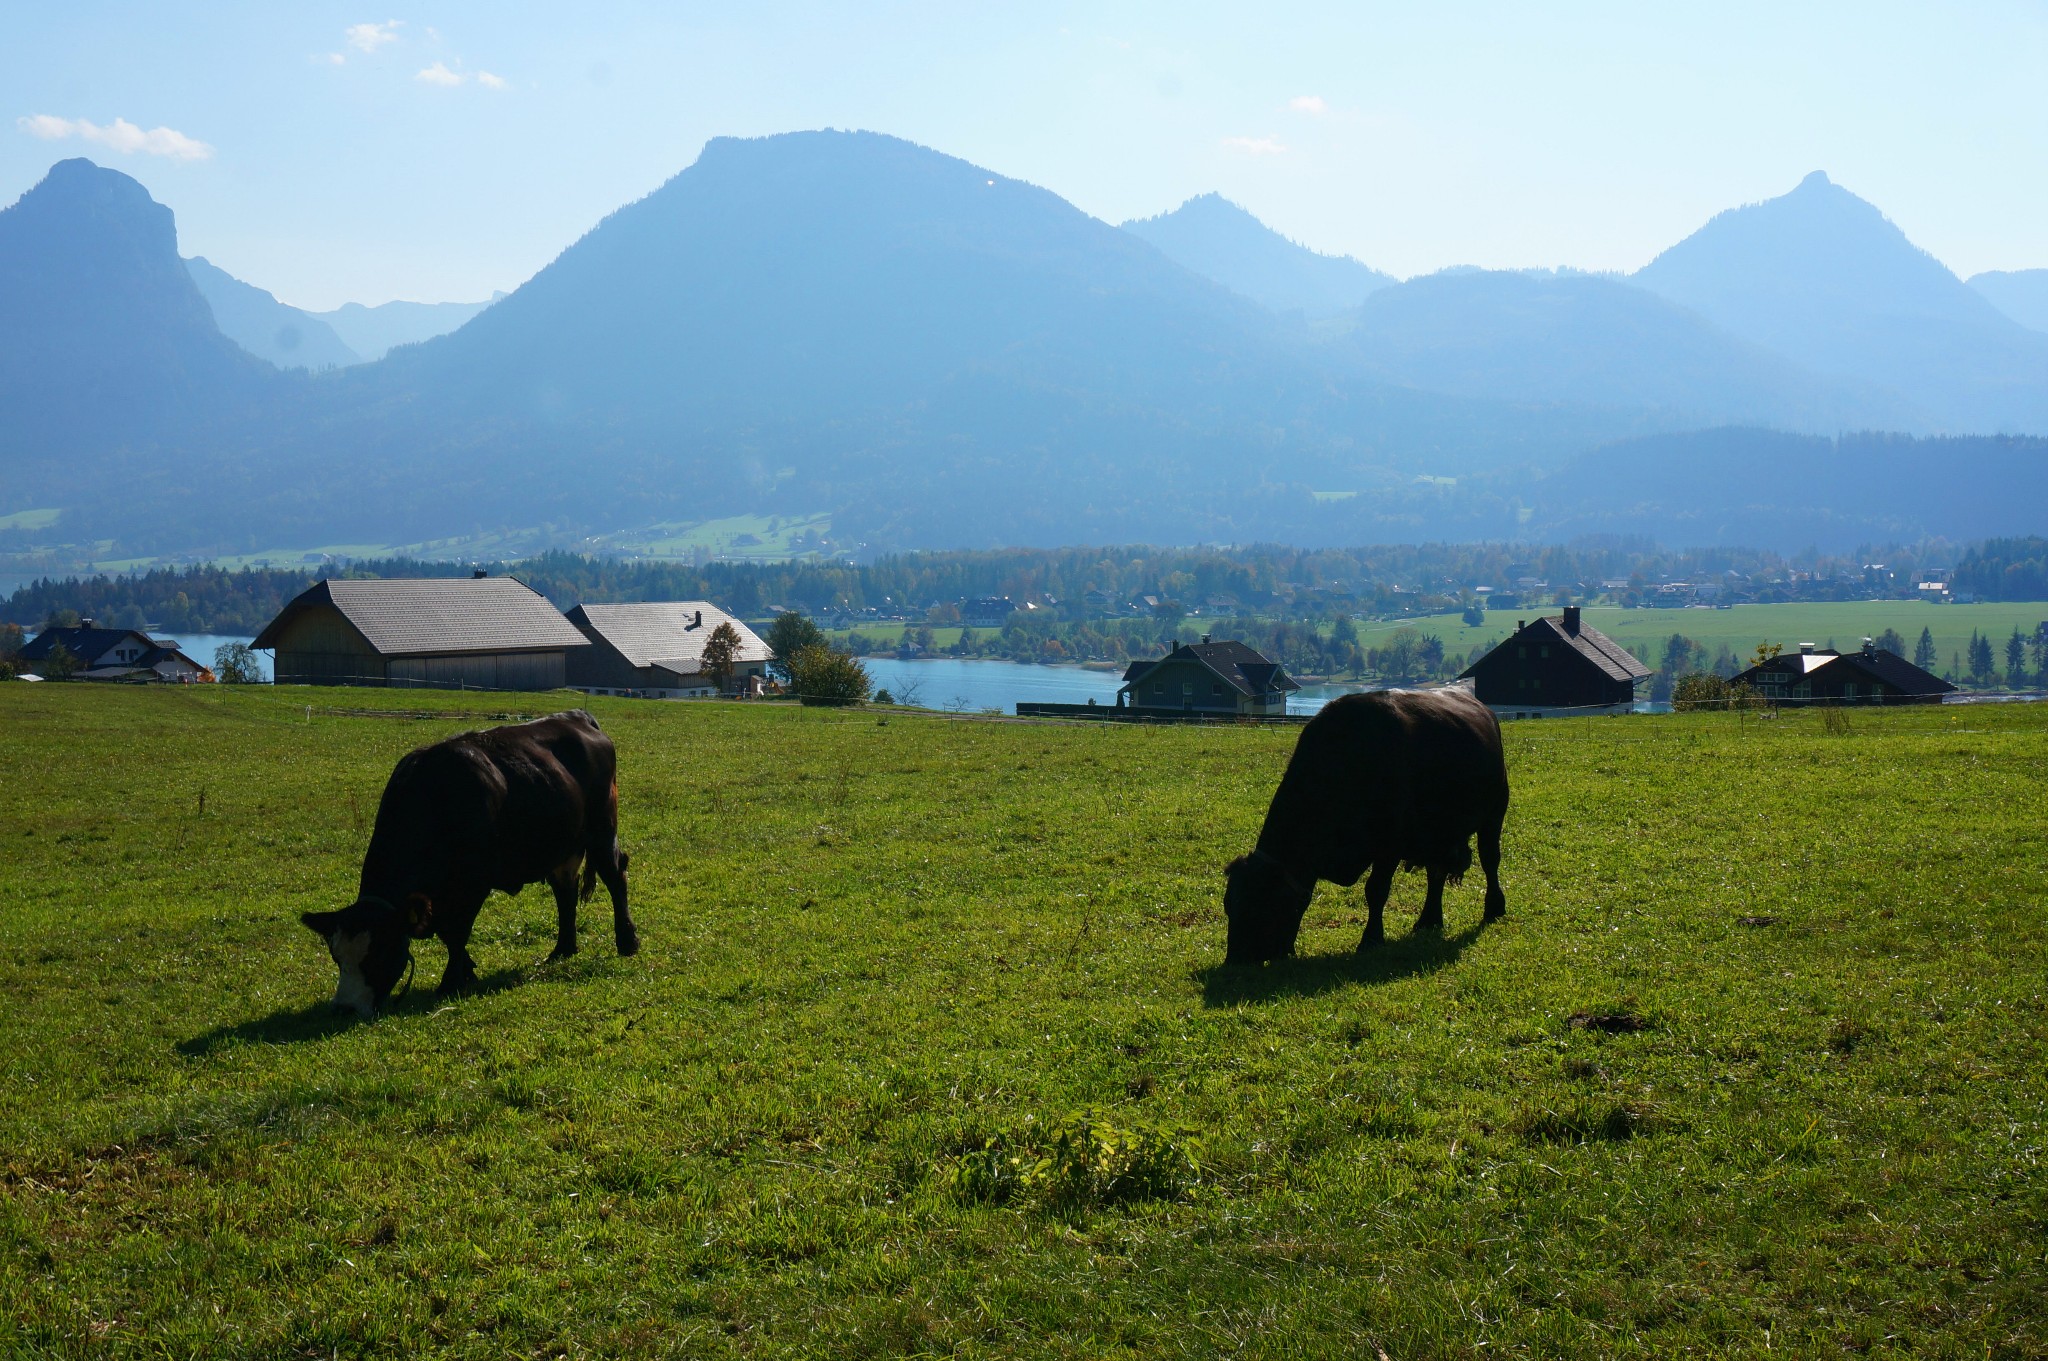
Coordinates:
[1085,1162]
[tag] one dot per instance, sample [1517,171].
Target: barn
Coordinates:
[1556,665]
[446,633]
[655,649]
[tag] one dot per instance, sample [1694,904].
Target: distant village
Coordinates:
[495,632]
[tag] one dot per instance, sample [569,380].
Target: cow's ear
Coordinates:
[419,914]
[320,923]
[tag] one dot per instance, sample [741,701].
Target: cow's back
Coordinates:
[503,806]
[1400,774]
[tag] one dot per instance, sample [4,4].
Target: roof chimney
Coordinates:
[1205,637]
[1806,649]
[86,622]
[1571,620]
[478,575]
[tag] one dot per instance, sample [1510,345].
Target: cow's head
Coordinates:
[1265,905]
[371,942]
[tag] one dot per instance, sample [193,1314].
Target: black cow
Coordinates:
[501,809]
[1377,781]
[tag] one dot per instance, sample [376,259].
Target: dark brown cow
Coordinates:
[1377,781]
[530,803]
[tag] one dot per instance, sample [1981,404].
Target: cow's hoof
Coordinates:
[1367,944]
[561,952]
[1494,914]
[629,945]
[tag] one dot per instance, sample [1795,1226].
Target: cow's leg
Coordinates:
[454,920]
[1489,860]
[1432,918]
[1377,889]
[612,869]
[563,882]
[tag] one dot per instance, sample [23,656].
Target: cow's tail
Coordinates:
[590,870]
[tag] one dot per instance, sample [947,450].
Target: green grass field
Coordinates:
[928,1051]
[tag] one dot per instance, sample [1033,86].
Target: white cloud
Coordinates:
[1256,146]
[120,135]
[333,58]
[439,74]
[491,82]
[367,38]
[1313,104]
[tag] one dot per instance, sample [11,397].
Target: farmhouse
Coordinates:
[1208,678]
[115,654]
[1824,676]
[1556,665]
[481,632]
[656,650]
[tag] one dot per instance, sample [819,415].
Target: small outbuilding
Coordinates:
[1814,675]
[1208,678]
[450,633]
[1556,665]
[655,650]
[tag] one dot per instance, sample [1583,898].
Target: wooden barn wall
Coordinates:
[321,648]
[602,666]
[481,671]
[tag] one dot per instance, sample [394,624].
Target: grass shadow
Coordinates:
[1410,956]
[318,1020]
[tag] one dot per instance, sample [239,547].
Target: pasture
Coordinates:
[928,1050]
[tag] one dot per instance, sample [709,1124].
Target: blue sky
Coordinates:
[338,153]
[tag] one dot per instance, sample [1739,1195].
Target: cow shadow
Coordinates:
[1414,955]
[318,1020]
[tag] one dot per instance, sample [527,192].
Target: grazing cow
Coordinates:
[518,805]
[1377,781]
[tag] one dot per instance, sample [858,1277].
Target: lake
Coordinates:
[971,686]
[937,683]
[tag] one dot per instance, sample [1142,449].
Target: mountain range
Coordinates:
[937,355]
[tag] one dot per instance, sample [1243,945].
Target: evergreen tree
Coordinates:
[1923,651]
[2016,658]
[1980,659]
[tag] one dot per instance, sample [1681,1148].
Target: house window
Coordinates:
[1215,689]
[1187,687]
[1522,652]
[1543,651]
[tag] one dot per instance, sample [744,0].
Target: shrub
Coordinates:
[821,676]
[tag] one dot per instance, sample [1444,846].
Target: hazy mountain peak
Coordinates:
[1823,277]
[1220,240]
[104,204]
[253,318]
[2021,294]
[104,329]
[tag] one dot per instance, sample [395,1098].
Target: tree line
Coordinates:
[1261,582]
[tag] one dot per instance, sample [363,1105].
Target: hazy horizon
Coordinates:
[331,155]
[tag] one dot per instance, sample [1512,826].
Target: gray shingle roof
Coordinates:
[413,616]
[665,633]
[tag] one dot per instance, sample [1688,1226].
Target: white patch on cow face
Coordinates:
[352,993]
